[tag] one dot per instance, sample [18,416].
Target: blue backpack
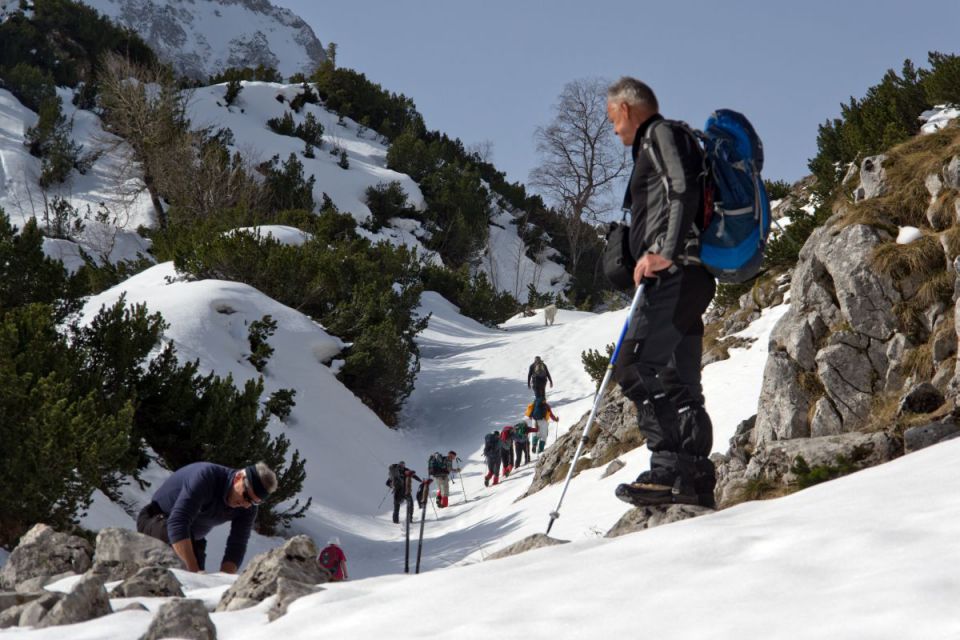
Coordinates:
[737,214]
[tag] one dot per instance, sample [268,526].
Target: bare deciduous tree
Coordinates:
[581,161]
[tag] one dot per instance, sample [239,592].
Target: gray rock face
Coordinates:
[951,173]
[87,600]
[10,599]
[189,34]
[536,541]
[294,560]
[923,398]
[288,591]
[43,553]
[783,402]
[873,178]
[927,435]
[181,619]
[642,518]
[154,582]
[30,615]
[864,450]
[614,432]
[121,553]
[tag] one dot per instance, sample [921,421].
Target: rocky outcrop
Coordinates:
[295,560]
[121,553]
[149,582]
[288,591]
[927,435]
[43,554]
[873,179]
[536,541]
[181,619]
[642,518]
[614,432]
[86,601]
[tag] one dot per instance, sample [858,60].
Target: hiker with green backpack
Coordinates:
[440,467]
[521,442]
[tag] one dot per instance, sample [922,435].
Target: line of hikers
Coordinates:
[400,478]
[509,447]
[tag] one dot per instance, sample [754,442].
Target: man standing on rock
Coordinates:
[659,363]
[198,497]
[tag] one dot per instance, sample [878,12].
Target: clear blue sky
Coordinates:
[491,70]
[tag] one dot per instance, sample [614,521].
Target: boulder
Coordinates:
[121,553]
[151,582]
[181,618]
[613,467]
[923,398]
[742,442]
[642,518]
[951,173]
[10,599]
[536,541]
[295,559]
[873,178]
[44,553]
[847,377]
[927,435]
[86,601]
[784,403]
[934,185]
[288,591]
[33,613]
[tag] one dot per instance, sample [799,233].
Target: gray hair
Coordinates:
[267,477]
[632,91]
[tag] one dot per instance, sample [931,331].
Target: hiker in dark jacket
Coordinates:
[491,453]
[506,450]
[659,363]
[198,497]
[400,479]
[521,443]
[539,375]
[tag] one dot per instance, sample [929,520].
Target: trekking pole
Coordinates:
[596,403]
[460,475]
[384,498]
[423,520]
[408,516]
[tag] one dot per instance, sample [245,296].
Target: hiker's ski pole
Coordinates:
[384,498]
[460,475]
[423,520]
[596,403]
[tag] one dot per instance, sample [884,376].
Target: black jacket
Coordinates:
[665,193]
[531,375]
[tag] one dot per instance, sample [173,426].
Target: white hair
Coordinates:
[632,91]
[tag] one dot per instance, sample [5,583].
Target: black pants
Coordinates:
[398,499]
[152,521]
[522,449]
[540,388]
[659,369]
[506,456]
[493,464]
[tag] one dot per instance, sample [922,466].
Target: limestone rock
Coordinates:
[15,599]
[121,553]
[153,582]
[873,178]
[642,518]
[86,601]
[934,185]
[742,442]
[288,591]
[783,405]
[43,553]
[33,613]
[825,421]
[536,541]
[295,560]
[775,461]
[847,377]
[181,618]
[924,436]
[951,173]
[923,398]
[613,467]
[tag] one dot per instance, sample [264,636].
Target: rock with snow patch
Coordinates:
[927,435]
[133,606]
[44,553]
[181,618]
[536,541]
[923,398]
[149,582]
[641,518]
[873,178]
[121,553]
[288,591]
[86,601]
[295,560]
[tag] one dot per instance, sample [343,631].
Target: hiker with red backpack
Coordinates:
[440,467]
[333,561]
[506,449]
[660,355]
[491,453]
[538,375]
[540,413]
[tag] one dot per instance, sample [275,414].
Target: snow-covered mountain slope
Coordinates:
[510,269]
[871,555]
[203,37]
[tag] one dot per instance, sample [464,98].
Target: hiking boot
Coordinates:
[446,501]
[496,479]
[642,494]
[486,480]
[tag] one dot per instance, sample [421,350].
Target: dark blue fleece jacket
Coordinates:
[195,501]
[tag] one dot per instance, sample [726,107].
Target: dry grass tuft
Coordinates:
[951,242]
[936,288]
[918,362]
[922,257]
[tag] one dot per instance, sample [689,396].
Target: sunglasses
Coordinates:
[248,494]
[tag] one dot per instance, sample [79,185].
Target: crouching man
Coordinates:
[200,496]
